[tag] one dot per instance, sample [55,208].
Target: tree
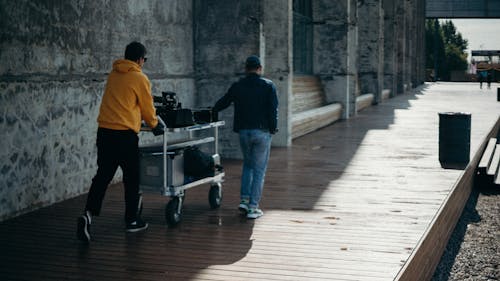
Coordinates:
[452,37]
[434,47]
[445,48]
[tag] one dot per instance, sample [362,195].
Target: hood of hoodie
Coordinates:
[124,66]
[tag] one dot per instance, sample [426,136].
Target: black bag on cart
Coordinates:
[205,115]
[198,164]
[176,118]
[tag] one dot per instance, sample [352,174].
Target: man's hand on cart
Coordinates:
[159,129]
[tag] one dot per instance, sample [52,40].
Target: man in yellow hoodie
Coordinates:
[127,100]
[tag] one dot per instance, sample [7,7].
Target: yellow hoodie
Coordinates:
[127,99]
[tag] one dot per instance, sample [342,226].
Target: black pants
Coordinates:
[116,149]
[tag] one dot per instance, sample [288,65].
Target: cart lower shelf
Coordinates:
[173,209]
[162,168]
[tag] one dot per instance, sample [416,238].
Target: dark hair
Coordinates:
[135,51]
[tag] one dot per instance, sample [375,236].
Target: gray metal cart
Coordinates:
[162,168]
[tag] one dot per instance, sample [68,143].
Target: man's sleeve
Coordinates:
[225,101]
[273,110]
[148,111]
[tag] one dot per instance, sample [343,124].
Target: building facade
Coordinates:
[56,55]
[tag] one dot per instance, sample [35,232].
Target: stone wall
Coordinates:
[228,31]
[389,47]
[370,51]
[55,58]
[366,46]
[336,51]
[276,49]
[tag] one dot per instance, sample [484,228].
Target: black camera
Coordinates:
[171,111]
[168,100]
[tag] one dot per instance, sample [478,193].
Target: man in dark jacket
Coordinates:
[255,120]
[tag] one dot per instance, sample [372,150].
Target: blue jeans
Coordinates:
[255,145]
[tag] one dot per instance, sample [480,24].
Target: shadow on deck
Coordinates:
[347,202]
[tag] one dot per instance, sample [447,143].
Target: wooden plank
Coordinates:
[496,179]
[495,161]
[307,100]
[424,259]
[497,176]
[487,156]
[428,252]
[348,202]
[297,78]
[307,90]
[314,119]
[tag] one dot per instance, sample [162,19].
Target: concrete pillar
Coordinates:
[421,35]
[276,52]
[416,41]
[410,44]
[370,50]
[380,43]
[414,44]
[390,53]
[225,33]
[400,36]
[335,51]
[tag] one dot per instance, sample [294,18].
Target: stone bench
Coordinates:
[310,110]
[488,169]
[386,93]
[364,101]
[310,120]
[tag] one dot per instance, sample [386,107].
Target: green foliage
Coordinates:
[445,48]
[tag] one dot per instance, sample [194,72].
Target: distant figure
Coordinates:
[480,77]
[488,79]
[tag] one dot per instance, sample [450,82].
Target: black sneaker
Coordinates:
[137,225]
[83,228]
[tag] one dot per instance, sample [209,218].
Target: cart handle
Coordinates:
[145,127]
[161,122]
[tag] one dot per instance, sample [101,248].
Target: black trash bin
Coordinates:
[454,139]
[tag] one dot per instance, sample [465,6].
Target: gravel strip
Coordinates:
[473,252]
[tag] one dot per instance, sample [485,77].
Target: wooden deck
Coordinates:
[349,202]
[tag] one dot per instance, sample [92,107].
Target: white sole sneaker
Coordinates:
[131,228]
[82,231]
[254,213]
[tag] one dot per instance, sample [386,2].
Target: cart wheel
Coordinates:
[173,211]
[215,195]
